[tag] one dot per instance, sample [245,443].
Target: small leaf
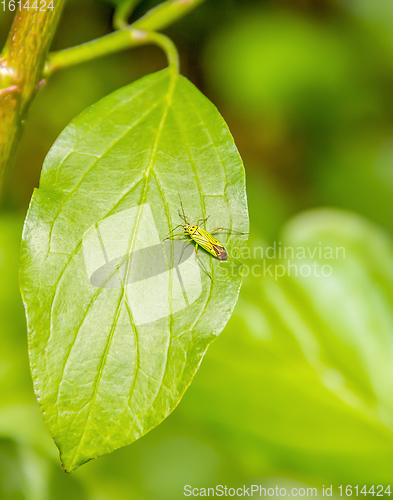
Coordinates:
[115,338]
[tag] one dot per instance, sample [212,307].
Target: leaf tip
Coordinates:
[68,466]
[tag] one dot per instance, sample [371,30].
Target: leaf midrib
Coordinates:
[149,167]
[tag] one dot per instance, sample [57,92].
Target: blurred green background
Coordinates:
[298,389]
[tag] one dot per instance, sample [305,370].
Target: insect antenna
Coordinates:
[183,216]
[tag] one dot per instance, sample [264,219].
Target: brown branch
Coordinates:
[21,68]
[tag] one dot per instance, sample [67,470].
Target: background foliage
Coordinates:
[298,386]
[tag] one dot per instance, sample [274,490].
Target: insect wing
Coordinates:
[209,243]
[220,251]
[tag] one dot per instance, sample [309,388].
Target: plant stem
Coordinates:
[21,66]
[114,42]
[22,62]
[166,45]
[165,14]
[141,33]
[122,13]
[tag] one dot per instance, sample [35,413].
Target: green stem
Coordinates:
[165,14]
[114,42]
[122,14]
[21,66]
[166,45]
[139,33]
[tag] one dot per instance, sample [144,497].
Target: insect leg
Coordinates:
[174,229]
[184,246]
[201,263]
[227,230]
[171,236]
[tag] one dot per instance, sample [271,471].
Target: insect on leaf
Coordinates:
[118,319]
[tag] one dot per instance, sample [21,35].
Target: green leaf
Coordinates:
[111,356]
[346,326]
[28,461]
[307,386]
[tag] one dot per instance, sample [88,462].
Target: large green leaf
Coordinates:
[346,324]
[306,390]
[28,468]
[111,356]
